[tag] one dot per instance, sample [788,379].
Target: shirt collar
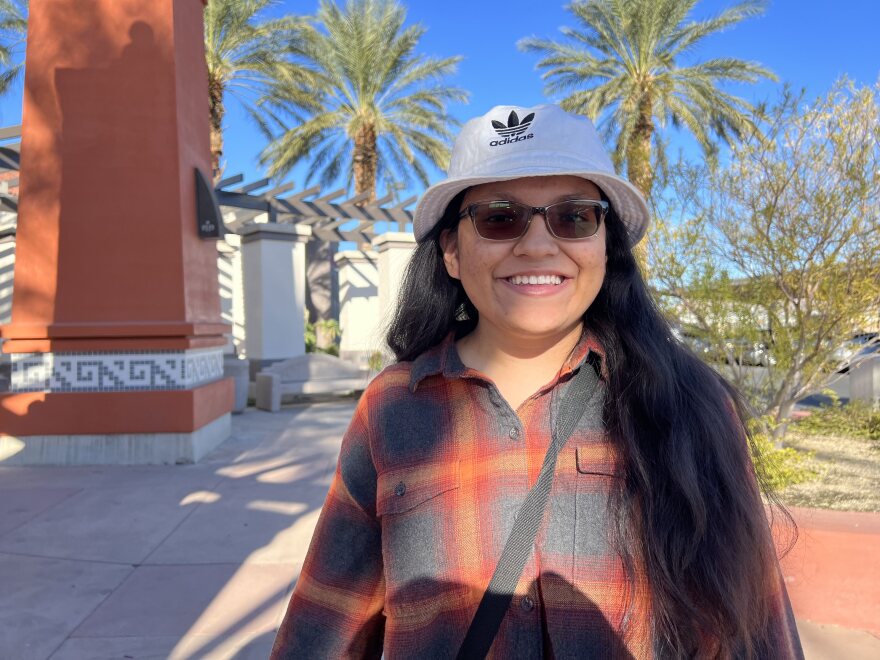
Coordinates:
[443,359]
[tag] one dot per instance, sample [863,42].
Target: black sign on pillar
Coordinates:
[209,221]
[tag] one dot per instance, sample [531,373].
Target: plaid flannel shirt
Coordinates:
[432,472]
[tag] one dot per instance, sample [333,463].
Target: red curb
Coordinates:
[833,571]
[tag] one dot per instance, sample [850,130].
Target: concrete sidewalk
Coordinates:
[190,561]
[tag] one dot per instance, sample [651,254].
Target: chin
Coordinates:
[541,329]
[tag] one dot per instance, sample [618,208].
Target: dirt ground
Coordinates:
[847,473]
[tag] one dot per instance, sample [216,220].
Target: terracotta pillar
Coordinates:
[116,336]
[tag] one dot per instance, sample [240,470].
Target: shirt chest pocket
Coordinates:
[403,489]
[597,567]
[596,464]
[417,507]
[598,459]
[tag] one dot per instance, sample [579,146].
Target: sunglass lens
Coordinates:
[499,221]
[574,219]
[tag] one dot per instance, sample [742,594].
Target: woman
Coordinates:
[652,541]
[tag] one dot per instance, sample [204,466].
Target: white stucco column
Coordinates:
[394,250]
[359,316]
[231,291]
[273,259]
[7,263]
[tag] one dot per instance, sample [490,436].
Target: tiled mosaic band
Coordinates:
[115,372]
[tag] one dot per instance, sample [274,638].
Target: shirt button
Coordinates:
[513,433]
[400,489]
[527,604]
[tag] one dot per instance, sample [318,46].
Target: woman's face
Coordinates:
[492,272]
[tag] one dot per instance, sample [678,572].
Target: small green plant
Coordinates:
[375,361]
[856,419]
[322,337]
[776,468]
[310,337]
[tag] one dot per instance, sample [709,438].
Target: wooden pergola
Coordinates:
[329,216]
[10,156]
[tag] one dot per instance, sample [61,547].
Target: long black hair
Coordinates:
[431,304]
[688,505]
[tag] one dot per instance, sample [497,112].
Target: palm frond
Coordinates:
[689,34]
[622,57]
[248,53]
[371,81]
[13,33]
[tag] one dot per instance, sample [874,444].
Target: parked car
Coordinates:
[697,345]
[750,353]
[754,354]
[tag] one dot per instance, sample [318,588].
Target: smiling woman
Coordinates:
[546,471]
[532,289]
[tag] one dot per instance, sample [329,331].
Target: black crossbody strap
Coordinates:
[518,548]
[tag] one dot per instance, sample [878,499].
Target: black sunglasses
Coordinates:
[570,220]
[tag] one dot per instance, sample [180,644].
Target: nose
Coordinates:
[537,241]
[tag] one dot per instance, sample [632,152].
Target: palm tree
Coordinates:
[13,30]
[379,108]
[625,58]
[246,55]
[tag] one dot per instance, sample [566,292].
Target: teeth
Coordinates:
[535,279]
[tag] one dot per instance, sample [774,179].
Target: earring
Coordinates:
[461,313]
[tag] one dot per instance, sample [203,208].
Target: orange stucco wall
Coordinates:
[81,413]
[115,119]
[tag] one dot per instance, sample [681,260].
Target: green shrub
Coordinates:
[310,337]
[856,419]
[375,361]
[777,468]
[327,331]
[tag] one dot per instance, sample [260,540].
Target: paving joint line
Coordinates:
[198,505]
[134,567]
[87,561]
[40,513]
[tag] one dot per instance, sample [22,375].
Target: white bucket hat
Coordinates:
[510,142]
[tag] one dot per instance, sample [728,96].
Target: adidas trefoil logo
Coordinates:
[513,130]
[514,125]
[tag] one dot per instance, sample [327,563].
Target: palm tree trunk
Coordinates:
[638,157]
[365,161]
[638,165]
[215,93]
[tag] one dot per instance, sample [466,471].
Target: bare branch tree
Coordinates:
[774,256]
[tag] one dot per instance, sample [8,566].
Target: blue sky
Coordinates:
[807,43]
